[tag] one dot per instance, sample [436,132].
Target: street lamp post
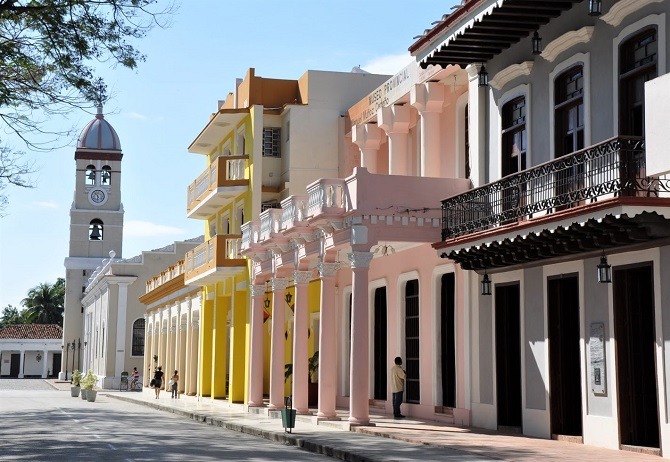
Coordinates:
[79,353]
[67,352]
[73,348]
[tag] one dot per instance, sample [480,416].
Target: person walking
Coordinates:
[174,382]
[397,387]
[158,381]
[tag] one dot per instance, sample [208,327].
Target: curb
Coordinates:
[288,439]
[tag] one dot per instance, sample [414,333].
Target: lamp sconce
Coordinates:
[288,297]
[604,270]
[595,7]
[536,42]
[483,77]
[38,357]
[486,284]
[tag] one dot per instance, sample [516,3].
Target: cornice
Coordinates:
[510,73]
[565,42]
[621,9]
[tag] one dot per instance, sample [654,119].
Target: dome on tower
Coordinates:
[99,134]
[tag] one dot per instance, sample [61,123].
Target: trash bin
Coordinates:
[288,415]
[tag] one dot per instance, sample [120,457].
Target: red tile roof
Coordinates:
[32,331]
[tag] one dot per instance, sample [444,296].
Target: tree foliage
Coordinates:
[45,303]
[11,315]
[48,53]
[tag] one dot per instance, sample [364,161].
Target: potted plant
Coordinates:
[76,383]
[87,384]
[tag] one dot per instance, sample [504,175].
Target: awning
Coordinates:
[579,238]
[498,25]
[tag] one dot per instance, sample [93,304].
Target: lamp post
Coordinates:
[79,353]
[73,348]
[67,356]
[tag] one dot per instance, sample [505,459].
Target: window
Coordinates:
[514,136]
[90,175]
[271,142]
[637,64]
[212,228]
[225,224]
[569,111]
[412,341]
[138,338]
[106,176]
[95,230]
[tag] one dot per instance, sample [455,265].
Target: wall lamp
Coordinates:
[604,270]
[486,284]
[595,7]
[536,42]
[483,77]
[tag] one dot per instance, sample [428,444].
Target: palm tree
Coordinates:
[12,315]
[44,303]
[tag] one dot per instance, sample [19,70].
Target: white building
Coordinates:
[31,350]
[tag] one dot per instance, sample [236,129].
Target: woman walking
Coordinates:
[174,382]
[158,381]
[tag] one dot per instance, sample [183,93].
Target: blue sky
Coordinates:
[161,107]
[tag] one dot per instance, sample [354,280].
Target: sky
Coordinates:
[158,109]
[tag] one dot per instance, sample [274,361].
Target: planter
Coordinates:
[288,419]
[83,393]
[91,395]
[74,391]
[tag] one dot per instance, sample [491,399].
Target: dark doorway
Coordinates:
[508,355]
[15,365]
[448,343]
[412,383]
[564,372]
[380,358]
[635,354]
[55,367]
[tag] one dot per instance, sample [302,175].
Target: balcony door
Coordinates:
[448,339]
[569,133]
[514,139]
[508,356]
[380,360]
[412,383]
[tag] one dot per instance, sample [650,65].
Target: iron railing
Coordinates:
[615,167]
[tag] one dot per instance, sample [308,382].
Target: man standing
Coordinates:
[397,387]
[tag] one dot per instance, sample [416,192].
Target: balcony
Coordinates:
[223,181]
[166,276]
[214,260]
[590,200]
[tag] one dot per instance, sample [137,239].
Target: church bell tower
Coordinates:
[96,225]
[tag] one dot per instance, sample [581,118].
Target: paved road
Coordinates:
[39,423]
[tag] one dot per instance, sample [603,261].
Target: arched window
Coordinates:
[95,230]
[106,176]
[90,175]
[569,111]
[138,338]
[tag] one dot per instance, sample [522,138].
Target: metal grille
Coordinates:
[138,338]
[271,142]
[412,383]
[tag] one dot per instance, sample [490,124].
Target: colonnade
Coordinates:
[172,334]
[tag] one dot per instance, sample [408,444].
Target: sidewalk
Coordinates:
[408,440]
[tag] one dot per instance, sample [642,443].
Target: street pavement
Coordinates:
[406,440]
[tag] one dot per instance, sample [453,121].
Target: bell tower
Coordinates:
[96,223]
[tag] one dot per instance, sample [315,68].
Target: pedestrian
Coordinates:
[174,381]
[397,387]
[158,381]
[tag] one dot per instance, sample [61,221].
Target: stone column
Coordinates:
[148,338]
[187,347]
[182,325]
[193,371]
[22,354]
[368,138]
[300,342]
[327,351]
[256,346]
[359,406]
[394,120]
[277,344]
[428,99]
[477,126]
[45,357]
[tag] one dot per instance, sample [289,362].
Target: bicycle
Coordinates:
[135,385]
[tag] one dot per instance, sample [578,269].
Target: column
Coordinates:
[188,365]
[478,101]
[368,138]
[193,370]
[148,350]
[162,337]
[300,342]
[168,368]
[327,352]
[277,344]
[256,349]
[359,393]
[394,120]
[181,345]
[22,354]
[428,99]
[45,364]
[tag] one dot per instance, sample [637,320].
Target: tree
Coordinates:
[11,315]
[48,49]
[45,302]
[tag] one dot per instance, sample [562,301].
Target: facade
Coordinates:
[96,220]
[565,233]
[267,138]
[30,350]
[114,319]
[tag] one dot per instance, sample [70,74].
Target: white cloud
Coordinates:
[388,64]
[46,204]
[139,228]
[136,116]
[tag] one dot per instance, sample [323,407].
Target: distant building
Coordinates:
[31,350]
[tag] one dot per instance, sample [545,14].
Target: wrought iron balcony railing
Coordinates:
[615,167]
